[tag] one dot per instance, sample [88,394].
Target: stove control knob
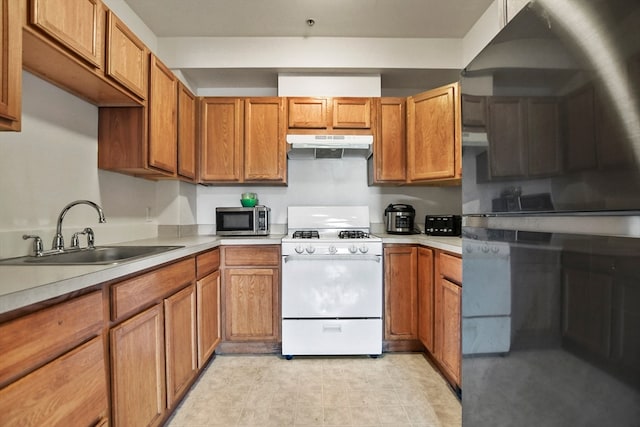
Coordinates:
[299,249]
[364,249]
[353,249]
[332,249]
[310,249]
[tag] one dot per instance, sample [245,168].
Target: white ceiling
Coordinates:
[287,18]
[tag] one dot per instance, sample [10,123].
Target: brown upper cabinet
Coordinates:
[68,44]
[10,65]
[163,108]
[127,57]
[418,140]
[308,114]
[524,136]
[143,140]
[243,140]
[186,134]
[474,110]
[434,151]
[389,161]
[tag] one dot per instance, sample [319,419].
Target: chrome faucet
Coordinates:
[58,240]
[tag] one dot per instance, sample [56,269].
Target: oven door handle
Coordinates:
[289,258]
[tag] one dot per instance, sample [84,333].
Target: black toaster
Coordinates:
[443,225]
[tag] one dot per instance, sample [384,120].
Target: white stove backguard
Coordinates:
[327,217]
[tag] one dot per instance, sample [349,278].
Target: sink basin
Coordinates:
[98,256]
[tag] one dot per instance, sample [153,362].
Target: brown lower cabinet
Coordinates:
[447,312]
[138,369]
[400,292]
[422,302]
[41,371]
[251,287]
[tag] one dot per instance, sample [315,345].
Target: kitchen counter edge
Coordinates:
[21,286]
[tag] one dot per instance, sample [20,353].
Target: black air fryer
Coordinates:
[399,218]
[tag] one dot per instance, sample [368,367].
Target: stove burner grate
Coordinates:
[306,234]
[353,234]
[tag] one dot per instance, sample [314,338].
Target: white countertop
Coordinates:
[24,285]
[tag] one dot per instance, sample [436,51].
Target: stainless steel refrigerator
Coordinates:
[551,231]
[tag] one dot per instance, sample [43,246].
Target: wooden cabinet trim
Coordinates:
[134,294]
[450,267]
[207,262]
[259,255]
[52,331]
[389,142]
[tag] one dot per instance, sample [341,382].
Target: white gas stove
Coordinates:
[331,282]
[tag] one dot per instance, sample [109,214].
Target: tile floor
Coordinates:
[393,390]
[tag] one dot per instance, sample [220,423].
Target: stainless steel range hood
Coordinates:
[329,146]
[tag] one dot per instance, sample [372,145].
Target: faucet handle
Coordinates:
[75,241]
[37,243]
[91,238]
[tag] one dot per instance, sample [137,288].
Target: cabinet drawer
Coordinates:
[207,263]
[34,339]
[71,390]
[252,255]
[134,294]
[451,268]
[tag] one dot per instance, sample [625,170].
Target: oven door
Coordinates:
[336,286]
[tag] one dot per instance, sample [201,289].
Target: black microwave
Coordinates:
[242,221]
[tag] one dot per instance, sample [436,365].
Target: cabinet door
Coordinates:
[474,112]
[127,60]
[265,149]
[163,134]
[506,132]
[351,113]
[308,113]
[138,370]
[208,300]
[580,130]
[180,342]
[433,135]
[252,311]
[400,293]
[389,145]
[586,307]
[77,25]
[69,391]
[186,133]
[425,297]
[448,334]
[221,138]
[543,137]
[10,65]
